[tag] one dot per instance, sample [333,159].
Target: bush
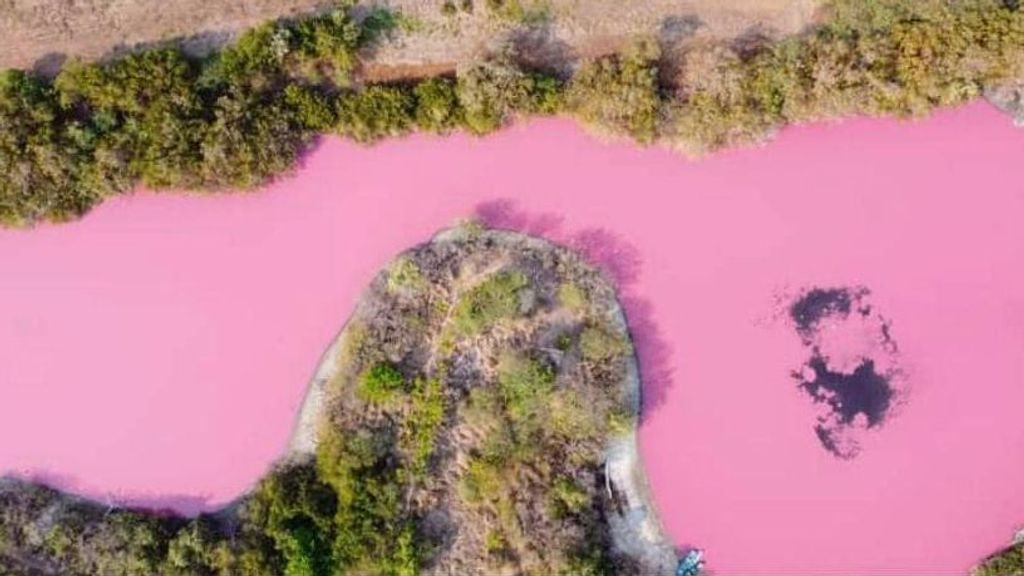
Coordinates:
[572,417]
[380,382]
[313,109]
[493,300]
[404,274]
[39,168]
[568,498]
[482,482]
[602,343]
[249,140]
[376,112]
[620,94]
[318,48]
[572,297]
[493,92]
[526,386]
[437,106]
[1008,562]
[426,414]
[525,12]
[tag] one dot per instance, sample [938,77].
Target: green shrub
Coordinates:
[191,551]
[143,108]
[249,141]
[380,382]
[495,299]
[495,543]
[481,482]
[602,343]
[619,93]
[564,342]
[313,110]
[318,48]
[620,421]
[526,386]
[371,535]
[38,167]
[570,417]
[1008,562]
[493,92]
[567,498]
[572,297]
[375,112]
[525,12]
[404,274]
[437,106]
[424,422]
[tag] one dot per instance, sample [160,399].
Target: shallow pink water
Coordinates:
[157,350]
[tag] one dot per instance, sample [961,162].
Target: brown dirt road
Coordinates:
[40,33]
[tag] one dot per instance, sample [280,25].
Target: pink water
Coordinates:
[157,350]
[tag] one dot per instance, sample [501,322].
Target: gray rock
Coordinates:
[1009,98]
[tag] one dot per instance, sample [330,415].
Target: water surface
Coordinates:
[156,352]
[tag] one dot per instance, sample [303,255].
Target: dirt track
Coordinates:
[40,33]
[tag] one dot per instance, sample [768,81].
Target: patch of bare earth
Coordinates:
[40,33]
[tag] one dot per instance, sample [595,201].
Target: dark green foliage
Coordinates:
[380,382]
[157,117]
[299,515]
[602,343]
[1008,562]
[40,173]
[371,533]
[525,385]
[495,91]
[249,140]
[425,417]
[313,109]
[437,106]
[141,113]
[375,112]
[619,93]
[314,49]
[494,299]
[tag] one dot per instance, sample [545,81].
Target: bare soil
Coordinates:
[41,33]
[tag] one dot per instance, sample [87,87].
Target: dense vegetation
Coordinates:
[463,434]
[1007,562]
[243,115]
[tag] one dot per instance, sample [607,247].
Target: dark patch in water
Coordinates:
[864,392]
[859,395]
[817,304]
[829,440]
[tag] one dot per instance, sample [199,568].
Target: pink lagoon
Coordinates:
[156,351]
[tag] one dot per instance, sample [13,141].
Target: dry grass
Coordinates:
[42,32]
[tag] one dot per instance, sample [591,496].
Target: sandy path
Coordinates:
[42,32]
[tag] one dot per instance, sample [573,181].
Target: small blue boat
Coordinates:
[692,564]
